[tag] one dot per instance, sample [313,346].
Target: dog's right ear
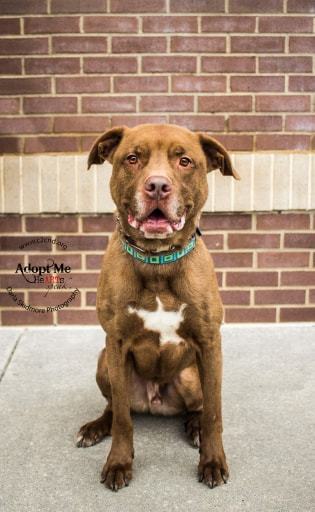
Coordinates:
[104,147]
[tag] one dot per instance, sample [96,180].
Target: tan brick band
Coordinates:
[61,184]
[264,261]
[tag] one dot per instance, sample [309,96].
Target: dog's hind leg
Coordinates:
[94,431]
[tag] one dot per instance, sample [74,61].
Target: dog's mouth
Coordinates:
[157,223]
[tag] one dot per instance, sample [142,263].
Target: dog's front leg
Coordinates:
[212,469]
[117,470]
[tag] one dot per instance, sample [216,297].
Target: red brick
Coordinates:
[85,243]
[108,24]
[235,297]
[110,65]
[90,298]
[49,105]
[52,66]
[84,280]
[13,243]
[279,296]
[245,6]
[51,144]
[104,223]
[250,278]
[18,7]
[280,142]
[186,44]
[53,298]
[190,83]
[257,44]
[276,103]
[94,261]
[75,6]
[253,240]
[25,85]
[140,84]
[255,123]
[131,121]
[227,24]
[306,6]
[225,103]
[73,260]
[208,123]
[300,123]
[257,83]
[26,318]
[7,300]
[300,240]
[302,83]
[24,46]
[283,259]
[9,25]
[228,64]
[166,103]
[302,44]
[10,66]
[58,224]
[285,64]
[272,221]
[312,296]
[232,259]
[297,314]
[166,24]
[11,144]
[247,315]
[79,44]
[285,24]
[138,6]
[205,6]
[51,25]
[69,316]
[138,44]
[162,64]
[100,104]
[236,142]
[79,124]
[10,223]
[25,125]
[213,242]
[219,276]
[221,222]
[9,105]
[298,278]
[82,84]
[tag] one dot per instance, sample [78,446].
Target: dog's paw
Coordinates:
[192,428]
[117,473]
[213,471]
[92,433]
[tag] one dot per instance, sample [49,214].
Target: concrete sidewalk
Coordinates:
[48,390]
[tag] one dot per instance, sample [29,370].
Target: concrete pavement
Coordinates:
[48,390]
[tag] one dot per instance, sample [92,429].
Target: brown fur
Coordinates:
[135,372]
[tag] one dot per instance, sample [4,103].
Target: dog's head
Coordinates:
[159,178]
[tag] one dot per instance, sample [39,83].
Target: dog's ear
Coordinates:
[217,156]
[105,146]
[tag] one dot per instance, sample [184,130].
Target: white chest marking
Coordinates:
[164,322]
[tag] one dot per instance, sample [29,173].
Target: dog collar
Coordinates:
[158,259]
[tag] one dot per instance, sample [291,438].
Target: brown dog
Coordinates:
[158,298]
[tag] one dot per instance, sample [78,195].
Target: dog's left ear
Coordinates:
[105,146]
[217,156]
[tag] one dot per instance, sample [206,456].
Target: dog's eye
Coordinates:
[132,158]
[185,161]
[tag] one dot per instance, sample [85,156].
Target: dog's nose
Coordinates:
[157,187]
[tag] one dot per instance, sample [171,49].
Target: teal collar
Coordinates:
[158,258]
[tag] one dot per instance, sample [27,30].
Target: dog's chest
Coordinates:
[162,321]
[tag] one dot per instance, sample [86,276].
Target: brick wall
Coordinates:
[241,69]
[264,262]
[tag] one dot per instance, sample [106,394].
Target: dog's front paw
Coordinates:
[213,470]
[117,471]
